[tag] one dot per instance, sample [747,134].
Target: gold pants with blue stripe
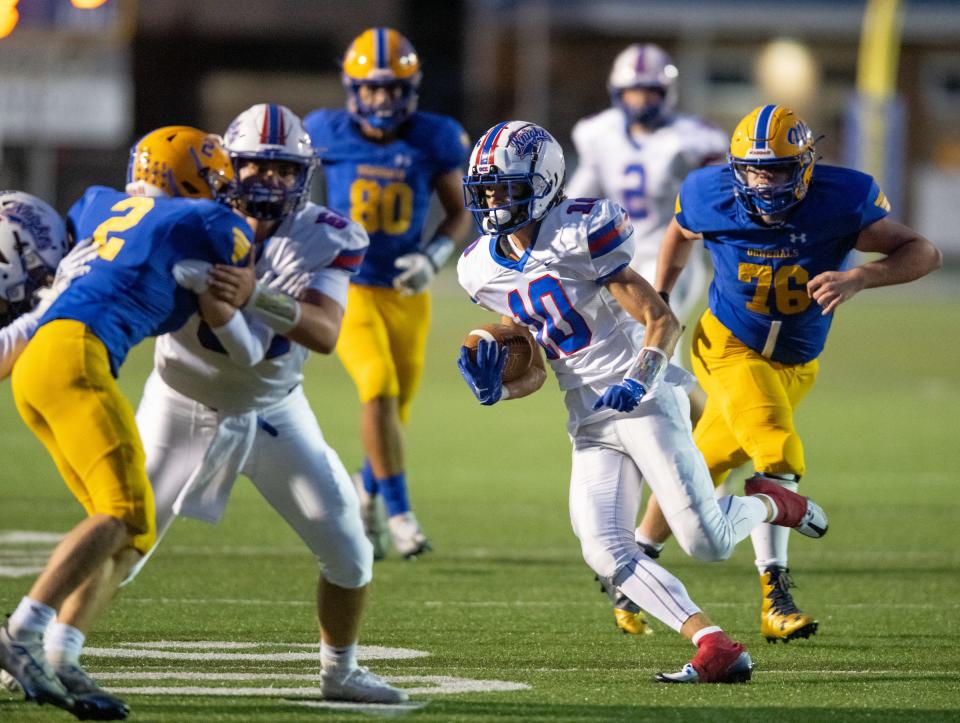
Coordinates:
[67,396]
[750,404]
[383,343]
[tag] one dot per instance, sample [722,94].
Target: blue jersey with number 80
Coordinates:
[761,272]
[385,187]
[130,292]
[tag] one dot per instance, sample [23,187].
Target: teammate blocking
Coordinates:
[560,270]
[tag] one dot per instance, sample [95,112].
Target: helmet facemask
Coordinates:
[273,198]
[772,199]
[514,211]
[387,116]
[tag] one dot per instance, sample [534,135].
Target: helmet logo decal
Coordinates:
[528,140]
[30,220]
[798,134]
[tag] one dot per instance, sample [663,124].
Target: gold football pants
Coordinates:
[383,342]
[67,396]
[750,404]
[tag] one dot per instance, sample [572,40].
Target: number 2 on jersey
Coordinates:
[559,326]
[136,208]
[789,287]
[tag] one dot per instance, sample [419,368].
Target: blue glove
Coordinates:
[485,375]
[623,397]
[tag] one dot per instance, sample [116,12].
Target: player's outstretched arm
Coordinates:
[908,256]
[675,249]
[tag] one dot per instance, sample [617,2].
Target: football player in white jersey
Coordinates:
[560,270]
[637,153]
[221,403]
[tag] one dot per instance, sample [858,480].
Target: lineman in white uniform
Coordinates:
[204,418]
[559,269]
[638,152]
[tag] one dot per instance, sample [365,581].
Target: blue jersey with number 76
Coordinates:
[761,272]
[130,292]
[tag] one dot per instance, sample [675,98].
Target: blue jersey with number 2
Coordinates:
[130,292]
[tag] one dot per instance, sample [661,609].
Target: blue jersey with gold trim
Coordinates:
[385,187]
[130,292]
[760,272]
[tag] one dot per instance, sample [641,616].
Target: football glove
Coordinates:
[623,397]
[191,274]
[417,273]
[485,375]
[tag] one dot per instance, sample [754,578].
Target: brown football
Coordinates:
[519,343]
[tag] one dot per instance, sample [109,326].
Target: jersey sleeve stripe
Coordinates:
[608,237]
[348,260]
[601,280]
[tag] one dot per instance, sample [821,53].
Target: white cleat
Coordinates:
[408,538]
[359,685]
[374,517]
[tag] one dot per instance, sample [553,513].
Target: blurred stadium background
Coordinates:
[80,80]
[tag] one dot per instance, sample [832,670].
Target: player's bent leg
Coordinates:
[658,438]
[792,510]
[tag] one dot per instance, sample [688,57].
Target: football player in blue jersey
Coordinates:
[65,389]
[383,160]
[779,232]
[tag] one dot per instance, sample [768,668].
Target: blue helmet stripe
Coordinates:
[490,137]
[381,47]
[762,131]
[274,124]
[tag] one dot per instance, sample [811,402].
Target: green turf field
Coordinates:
[219,627]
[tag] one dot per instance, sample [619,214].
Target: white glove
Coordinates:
[191,274]
[417,274]
[74,264]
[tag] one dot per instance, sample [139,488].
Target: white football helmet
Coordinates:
[270,132]
[33,239]
[644,65]
[527,163]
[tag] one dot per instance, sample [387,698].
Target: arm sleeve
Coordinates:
[13,340]
[245,340]
[609,239]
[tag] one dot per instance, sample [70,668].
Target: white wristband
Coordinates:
[274,308]
[648,367]
[504,392]
[241,345]
[439,250]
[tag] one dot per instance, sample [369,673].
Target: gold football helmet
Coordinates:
[180,161]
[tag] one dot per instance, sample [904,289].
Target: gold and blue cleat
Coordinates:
[780,618]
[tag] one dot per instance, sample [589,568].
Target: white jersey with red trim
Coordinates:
[315,248]
[642,173]
[556,289]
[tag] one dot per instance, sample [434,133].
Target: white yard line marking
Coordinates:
[146,651]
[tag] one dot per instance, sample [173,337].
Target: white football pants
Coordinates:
[611,458]
[290,463]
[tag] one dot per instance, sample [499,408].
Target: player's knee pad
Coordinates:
[352,568]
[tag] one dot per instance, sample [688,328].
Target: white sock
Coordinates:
[30,619]
[709,630]
[770,542]
[645,541]
[62,644]
[338,658]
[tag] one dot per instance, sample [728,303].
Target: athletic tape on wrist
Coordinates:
[274,308]
[648,367]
